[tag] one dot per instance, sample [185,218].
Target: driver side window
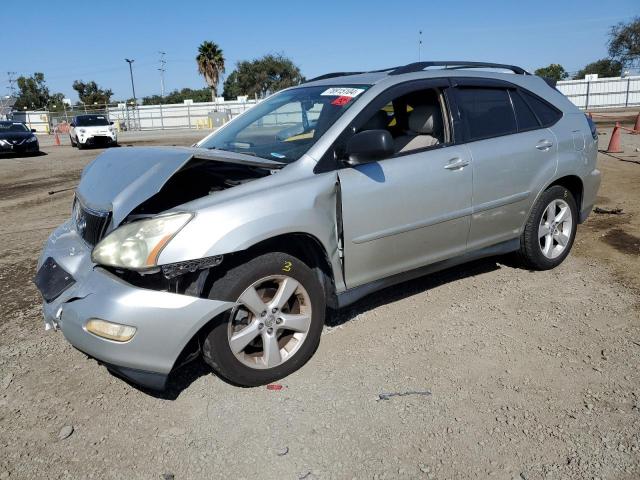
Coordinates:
[415,120]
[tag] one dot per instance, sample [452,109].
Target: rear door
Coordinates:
[408,210]
[512,156]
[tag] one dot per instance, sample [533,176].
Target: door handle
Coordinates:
[456,164]
[544,145]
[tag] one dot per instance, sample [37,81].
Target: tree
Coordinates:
[604,67]
[34,92]
[624,42]
[89,93]
[555,71]
[179,96]
[210,62]
[262,77]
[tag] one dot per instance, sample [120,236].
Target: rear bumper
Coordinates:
[165,322]
[591,184]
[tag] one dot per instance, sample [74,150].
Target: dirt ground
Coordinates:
[515,374]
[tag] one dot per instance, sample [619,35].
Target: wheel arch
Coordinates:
[574,184]
[302,245]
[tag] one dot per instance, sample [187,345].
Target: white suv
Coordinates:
[92,130]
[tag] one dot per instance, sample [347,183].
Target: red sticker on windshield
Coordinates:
[340,101]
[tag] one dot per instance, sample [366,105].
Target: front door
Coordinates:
[405,212]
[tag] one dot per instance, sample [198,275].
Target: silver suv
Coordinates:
[319,195]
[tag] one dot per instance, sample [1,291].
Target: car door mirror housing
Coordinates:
[72,125]
[110,123]
[369,146]
[33,130]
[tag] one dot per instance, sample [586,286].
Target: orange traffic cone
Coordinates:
[57,140]
[636,127]
[615,145]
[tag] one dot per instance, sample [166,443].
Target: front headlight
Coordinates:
[138,245]
[31,139]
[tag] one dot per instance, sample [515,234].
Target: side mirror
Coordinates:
[33,130]
[369,146]
[72,124]
[110,123]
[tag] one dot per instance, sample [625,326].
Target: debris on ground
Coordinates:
[283,451]
[274,386]
[388,396]
[6,381]
[608,211]
[167,476]
[65,432]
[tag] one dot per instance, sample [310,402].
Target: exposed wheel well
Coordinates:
[574,185]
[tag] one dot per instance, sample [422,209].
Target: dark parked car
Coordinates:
[16,137]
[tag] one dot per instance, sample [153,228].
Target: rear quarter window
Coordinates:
[524,115]
[546,113]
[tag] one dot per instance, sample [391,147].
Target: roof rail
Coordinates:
[332,75]
[451,64]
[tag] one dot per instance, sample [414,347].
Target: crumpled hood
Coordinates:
[120,179]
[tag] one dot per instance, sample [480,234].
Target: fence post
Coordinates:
[189,114]
[626,100]
[586,104]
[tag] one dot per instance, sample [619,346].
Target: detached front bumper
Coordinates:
[165,322]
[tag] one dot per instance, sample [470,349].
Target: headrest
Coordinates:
[425,119]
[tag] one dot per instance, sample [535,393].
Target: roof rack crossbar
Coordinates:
[451,64]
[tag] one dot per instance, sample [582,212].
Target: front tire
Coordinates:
[550,230]
[275,327]
[73,144]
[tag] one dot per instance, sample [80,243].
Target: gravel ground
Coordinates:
[501,372]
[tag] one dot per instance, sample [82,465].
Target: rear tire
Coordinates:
[269,335]
[79,145]
[549,233]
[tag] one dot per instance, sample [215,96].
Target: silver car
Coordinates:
[236,248]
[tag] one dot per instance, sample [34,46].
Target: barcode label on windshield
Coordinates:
[342,92]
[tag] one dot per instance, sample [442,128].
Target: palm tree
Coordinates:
[210,65]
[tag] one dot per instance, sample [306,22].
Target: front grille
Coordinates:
[89,223]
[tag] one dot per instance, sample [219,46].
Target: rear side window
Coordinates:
[526,119]
[486,112]
[547,114]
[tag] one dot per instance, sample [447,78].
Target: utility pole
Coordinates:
[133,88]
[12,81]
[419,45]
[162,70]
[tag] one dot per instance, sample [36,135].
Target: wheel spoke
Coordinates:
[295,322]
[271,348]
[551,212]
[287,287]
[563,215]
[252,301]
[543,230]
[241,339]
[548,245]
[562,238]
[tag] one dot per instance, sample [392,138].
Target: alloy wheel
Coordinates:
[554,231]
[270,322]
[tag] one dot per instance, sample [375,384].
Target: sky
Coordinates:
[70,41]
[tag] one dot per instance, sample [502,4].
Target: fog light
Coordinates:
[111,331]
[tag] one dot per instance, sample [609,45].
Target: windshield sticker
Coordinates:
[278,155]
[342,92]
[340,101]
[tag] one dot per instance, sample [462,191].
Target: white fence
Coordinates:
[602,92]
[182,115]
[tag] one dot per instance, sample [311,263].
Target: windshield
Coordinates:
[13,127]
[286,125]
[92,121]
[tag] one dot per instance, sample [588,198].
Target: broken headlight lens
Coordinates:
[138,245]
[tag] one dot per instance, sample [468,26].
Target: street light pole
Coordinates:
[133,88]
